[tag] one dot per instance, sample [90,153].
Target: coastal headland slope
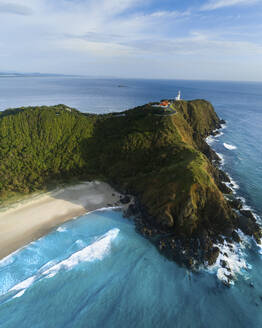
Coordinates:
[161,159]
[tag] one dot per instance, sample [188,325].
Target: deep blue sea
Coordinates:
[96,271]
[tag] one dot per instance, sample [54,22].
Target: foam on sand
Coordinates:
[229,147]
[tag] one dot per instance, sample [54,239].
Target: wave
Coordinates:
[232,184]
[24,284]
[211,139]
[9,258]
[19,294]
[249,208]
[98,250]
[102,209]
[61,229]
[222,158]
[219,134]
[229,147]
[231,260]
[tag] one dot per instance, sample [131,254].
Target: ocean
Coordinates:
[96,271]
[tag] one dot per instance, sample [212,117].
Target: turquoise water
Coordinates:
[96,271]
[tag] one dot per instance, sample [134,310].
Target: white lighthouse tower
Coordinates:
[178,97]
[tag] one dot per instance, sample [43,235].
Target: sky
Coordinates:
[172,39]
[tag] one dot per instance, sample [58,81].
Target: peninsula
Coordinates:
[182,203]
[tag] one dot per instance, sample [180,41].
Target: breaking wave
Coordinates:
[96,251]
[222,158]
[229,147]
[231,260]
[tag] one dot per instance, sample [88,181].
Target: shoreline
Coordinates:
[31,219]
[232,257]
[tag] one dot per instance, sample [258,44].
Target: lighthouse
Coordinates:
[178,97]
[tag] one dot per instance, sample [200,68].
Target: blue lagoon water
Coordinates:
[96,271]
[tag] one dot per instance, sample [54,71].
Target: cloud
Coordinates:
[173,13]
[120,37]
[198,44]
[98,49]
[216,4]
[14,8]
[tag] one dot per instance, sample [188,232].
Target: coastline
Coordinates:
[30,220]
[185,204]
[232,260]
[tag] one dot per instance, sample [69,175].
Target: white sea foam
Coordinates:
[229,147]
[96,251]
[222,159]
[8,259]
[61,229]
[24,284]
[232,184]
[80,242]
[248,208]
[21,293]
[219,134]
[210,140]
[235,258]
[107,209]
[102,209]
[259,248]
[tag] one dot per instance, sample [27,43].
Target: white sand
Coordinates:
[30,220]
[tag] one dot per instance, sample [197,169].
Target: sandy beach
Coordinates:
[30,220]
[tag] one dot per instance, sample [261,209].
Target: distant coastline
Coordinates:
[7,74]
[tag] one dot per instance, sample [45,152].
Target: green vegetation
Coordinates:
[154,156]
[158,158]
[38,145]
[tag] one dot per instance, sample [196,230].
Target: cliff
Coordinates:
[160,157]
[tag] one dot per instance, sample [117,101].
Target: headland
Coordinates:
[156,153]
